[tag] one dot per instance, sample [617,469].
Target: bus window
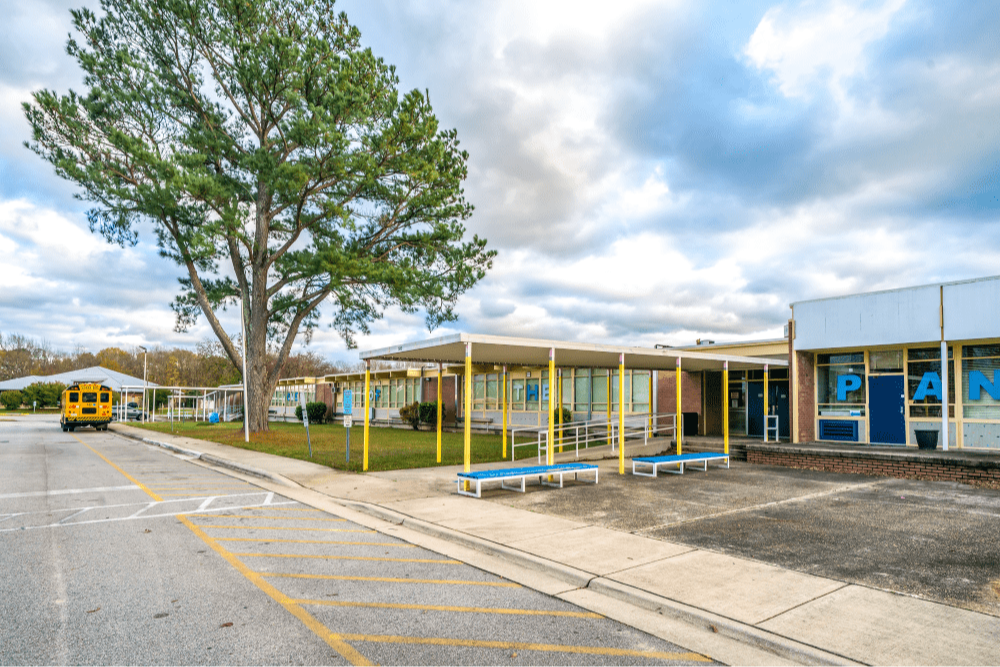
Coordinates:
[105,397]
[74,397]
[89,397]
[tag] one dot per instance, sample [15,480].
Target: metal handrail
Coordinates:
[595,430]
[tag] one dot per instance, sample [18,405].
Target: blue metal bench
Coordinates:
[679,460]
[505,474]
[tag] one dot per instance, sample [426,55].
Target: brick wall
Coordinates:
[904,466]
[324,394]
[447,394]
[805,386]
[666,392]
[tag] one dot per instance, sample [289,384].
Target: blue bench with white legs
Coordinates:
[507,474]
[654,463]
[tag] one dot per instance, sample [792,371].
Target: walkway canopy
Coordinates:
[503,352]
[534,353]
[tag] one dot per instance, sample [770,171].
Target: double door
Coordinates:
[777,400]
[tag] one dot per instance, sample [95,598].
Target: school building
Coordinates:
[862,369]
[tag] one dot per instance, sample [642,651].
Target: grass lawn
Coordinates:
[388,449]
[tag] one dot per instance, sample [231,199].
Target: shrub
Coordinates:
[411,414]
[315,410]
[46,393]
[11,399]
[428,413]
[567,415]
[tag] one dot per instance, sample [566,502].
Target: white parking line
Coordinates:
[63,492]
[153,510]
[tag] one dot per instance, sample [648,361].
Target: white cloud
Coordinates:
[818,43]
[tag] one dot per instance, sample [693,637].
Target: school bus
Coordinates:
[86,404]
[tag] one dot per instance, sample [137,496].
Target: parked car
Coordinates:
[133,412]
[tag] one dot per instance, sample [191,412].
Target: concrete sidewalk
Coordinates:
[736,610]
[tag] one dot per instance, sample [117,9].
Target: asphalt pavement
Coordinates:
[117,552]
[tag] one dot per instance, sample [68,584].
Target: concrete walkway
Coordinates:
[736,610]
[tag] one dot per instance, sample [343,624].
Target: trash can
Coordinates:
[927,439]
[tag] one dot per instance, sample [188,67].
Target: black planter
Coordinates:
[927,439]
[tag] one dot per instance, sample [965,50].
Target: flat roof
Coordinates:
[898,289]
[500,350]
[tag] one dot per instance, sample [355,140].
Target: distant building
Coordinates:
[112,379]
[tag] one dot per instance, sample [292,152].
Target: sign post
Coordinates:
[305,420]
[348,418]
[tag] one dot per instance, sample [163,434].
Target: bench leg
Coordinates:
[513,488]
[638,472]
[679,464]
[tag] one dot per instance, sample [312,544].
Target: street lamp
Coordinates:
[143,383]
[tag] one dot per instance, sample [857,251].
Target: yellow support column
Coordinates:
[725,407]
[679,419]
[650,399]
[467,461]
[439,414]
[765,403]
[559,373]
[503,389]
[621,414]
[550,453]
[366,399]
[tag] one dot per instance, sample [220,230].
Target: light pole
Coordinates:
[143,383]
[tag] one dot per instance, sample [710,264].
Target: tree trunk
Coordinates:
[259,398]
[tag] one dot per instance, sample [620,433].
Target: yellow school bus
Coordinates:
[86,404]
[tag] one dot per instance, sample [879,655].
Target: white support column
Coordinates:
[944,395]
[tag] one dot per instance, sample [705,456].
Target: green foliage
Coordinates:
[428,413]
[263,138]
[411,414]
[567,415]
[315,410]
[11,400]
[47,394]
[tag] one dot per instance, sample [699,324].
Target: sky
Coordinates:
[648,172]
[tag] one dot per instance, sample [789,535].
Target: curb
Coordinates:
[741,632]
[565,573]
[746,634]
[214,460]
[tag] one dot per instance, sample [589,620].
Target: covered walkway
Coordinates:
[502,354]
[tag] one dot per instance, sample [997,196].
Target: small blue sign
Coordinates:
[348,401]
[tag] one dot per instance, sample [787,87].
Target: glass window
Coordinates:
[567,389]
[981,381]
[923,380]
[478,392]
[105,397]
[492,391]
[600,389]
[517,394]
[581,390]
[777,374]
[74,397]
[532,394]
[886,361]
[89,397]
[840,384]
[398,393]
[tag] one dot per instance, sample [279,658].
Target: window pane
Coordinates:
[581,390]
[925,376]
[517,394]
[640,388]
[828,379]
[89,397]
[849,358]
[980,383]
[886,361]
[532,394]
[567,390]
[492,391]
[981,351]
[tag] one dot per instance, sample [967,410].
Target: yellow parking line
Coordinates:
[127,476]
[431,607]
[320,630]
[282,509]
[394,580]
[374,558]
[525,646]
[157,487]
[295,528]
[271,539]
[283,518]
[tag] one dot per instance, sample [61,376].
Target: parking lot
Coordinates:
[115,552]
[935,540]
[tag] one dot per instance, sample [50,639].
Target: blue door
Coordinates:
[886,400]
[755,409]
